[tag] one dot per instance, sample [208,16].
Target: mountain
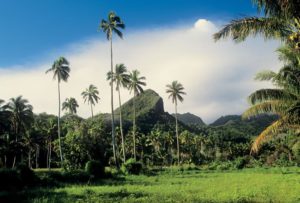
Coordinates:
[149,102]
[149,113]
[225,119]
[253,126]
[190,119]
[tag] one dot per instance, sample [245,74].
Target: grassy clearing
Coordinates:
[249,185]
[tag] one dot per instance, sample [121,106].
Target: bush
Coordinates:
[75,176]
[27,175]
[132,167]
[94,169]
[241,162]
[9,179]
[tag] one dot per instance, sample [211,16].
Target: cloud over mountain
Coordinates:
[217,76]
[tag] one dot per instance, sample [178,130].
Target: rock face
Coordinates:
[190,119]
[147,102]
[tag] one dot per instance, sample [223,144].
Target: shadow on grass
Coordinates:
[37,195]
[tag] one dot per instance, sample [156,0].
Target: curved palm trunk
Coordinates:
[112,105]
[121,126]
[134,127]
[58,126]
[178,153]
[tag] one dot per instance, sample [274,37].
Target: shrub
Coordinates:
[241,162]
[27,175]
[132,167]
[9,179]
[95,169]
[75,176]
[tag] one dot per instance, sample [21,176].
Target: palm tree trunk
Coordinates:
[121,126]
[16,132]
[92,110]
[112,105]
[37,154]
[134,127]
[29,159]
[47,161]
[178,153]
[50,152]
[58,127]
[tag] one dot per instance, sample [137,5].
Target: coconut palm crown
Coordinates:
[284,100]
[90,95]
[71,105]
[281,20]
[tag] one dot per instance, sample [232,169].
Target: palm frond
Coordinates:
[274,106]
[240,29]
[265,75]
[263,95]
[268,133]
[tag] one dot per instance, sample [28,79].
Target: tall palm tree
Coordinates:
[61,70]
[21,117]
[282,100]
[135,86]
[91,96]
[112,25]
[71,105]
[121,78]
[175,91]
[281,20]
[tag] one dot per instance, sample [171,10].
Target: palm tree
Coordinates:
[121,78]
[21,117]
[283,100]
[281,21]
[91,96]
[61,70]
[135,86]
[112,25]
[70,104]
[175,91]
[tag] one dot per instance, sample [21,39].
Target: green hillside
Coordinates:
[190,119]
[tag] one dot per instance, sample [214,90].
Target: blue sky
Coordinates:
[31,29]
[165,40]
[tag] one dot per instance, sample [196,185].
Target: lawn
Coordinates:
[248,185]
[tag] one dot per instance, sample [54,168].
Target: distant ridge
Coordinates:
[190,119]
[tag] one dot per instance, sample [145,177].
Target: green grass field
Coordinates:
[248,185]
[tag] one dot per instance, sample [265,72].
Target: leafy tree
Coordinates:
[175,91]
[283,100]
[71,105]
[121,78]
[91,96]
[135,86]
[21,117]
[61,70]
[112,25]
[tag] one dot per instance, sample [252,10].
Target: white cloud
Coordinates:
[217,76]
